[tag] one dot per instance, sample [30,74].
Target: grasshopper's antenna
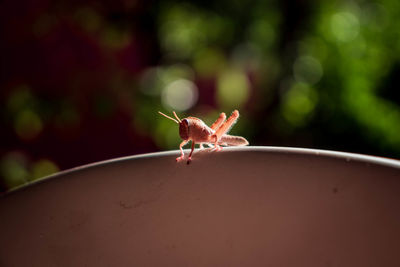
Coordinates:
[169,117]
[176,116]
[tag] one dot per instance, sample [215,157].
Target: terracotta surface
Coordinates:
[239,207]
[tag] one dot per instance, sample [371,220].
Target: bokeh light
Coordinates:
[307,69]
[42,168]
[28,124]
[233,89]
[345,26]
[299,103]
[180,95]
[14,169]
[20,98]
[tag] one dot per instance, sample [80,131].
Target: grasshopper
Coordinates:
[195,130]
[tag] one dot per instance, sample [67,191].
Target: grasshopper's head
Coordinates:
[183,125]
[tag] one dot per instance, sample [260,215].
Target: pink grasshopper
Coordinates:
[195,130]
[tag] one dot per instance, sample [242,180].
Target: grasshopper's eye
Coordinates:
[184,129]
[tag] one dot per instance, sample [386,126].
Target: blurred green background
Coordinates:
[82,81]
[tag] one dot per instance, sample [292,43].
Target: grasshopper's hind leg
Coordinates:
[224,128]
[219,121]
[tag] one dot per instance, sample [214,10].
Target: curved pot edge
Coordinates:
[394,163]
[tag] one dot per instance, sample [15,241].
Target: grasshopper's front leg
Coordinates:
[191,152]
[184,142]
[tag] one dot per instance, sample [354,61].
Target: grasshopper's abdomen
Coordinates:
[232,140]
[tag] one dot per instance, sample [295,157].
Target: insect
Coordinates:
[195,130]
